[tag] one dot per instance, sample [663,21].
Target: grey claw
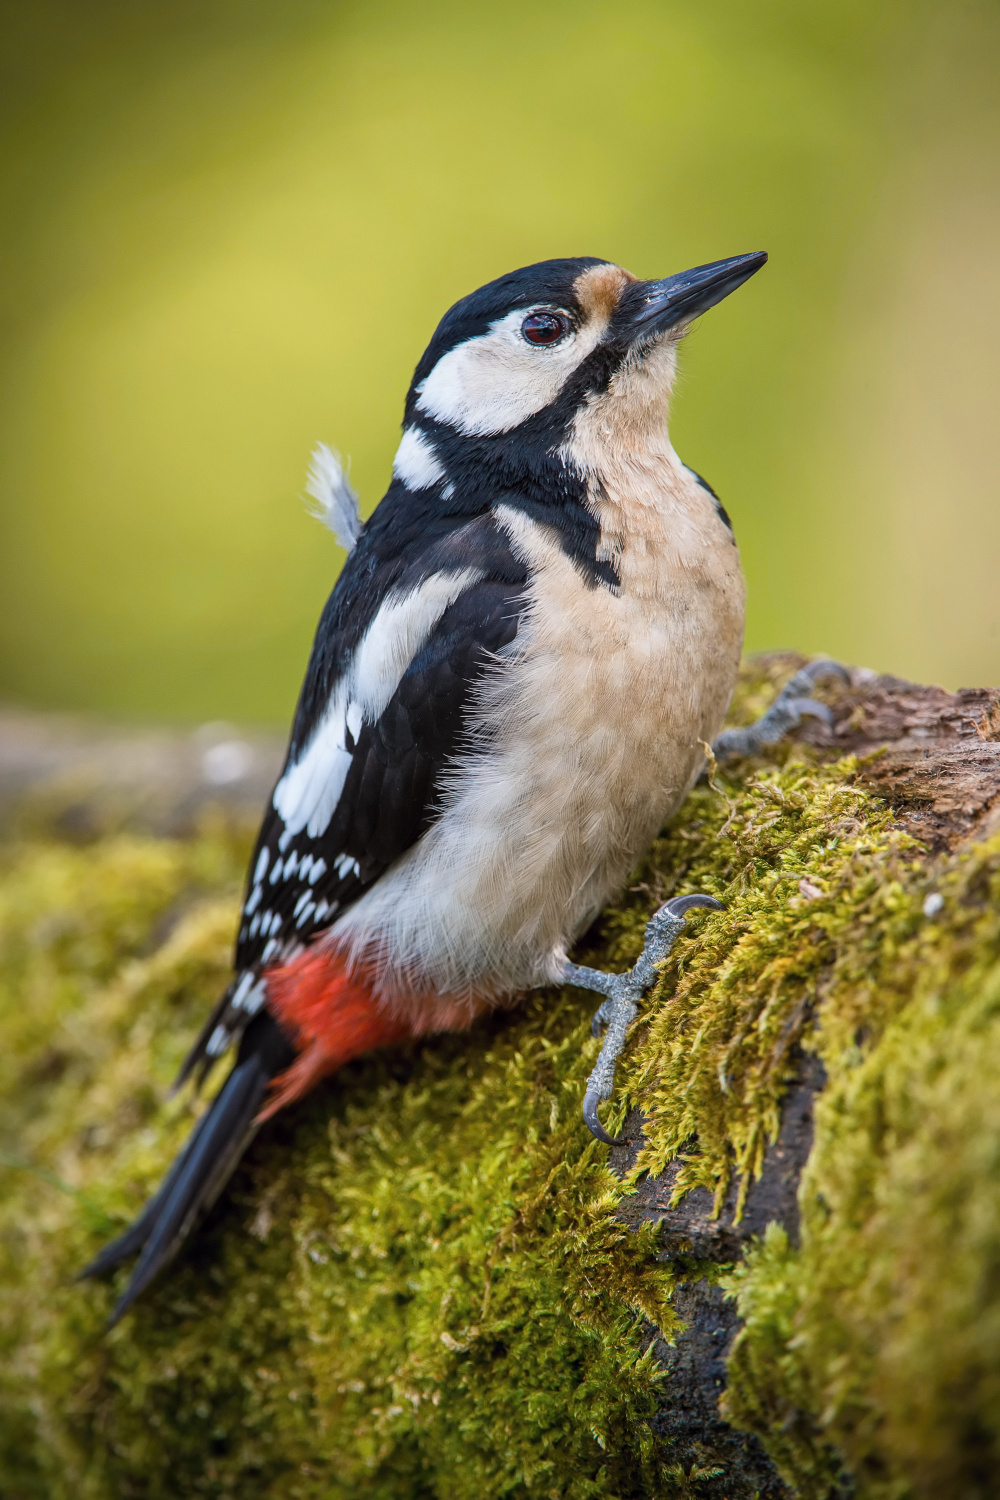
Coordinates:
[678,906]
[800,686]
[785,713]
[795,693]
[624,991]
[825,666]
[599,1019]
[809,708]
[591,1100]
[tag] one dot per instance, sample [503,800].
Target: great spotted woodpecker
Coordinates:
[511,687]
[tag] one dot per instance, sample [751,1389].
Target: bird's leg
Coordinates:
[624,991]
[791,706]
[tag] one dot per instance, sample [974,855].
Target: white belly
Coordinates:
[591,731]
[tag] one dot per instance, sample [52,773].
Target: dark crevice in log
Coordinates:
[690,1228]
[688,1421]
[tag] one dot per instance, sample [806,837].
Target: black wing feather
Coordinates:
[389,798]
[391,792]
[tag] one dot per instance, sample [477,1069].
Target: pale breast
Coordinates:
[618,690]
[591,731]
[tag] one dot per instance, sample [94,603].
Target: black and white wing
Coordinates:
[382,714]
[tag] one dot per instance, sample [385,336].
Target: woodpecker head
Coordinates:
[517,364]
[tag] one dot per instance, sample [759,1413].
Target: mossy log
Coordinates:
[428,1279]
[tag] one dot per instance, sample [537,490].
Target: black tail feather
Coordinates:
[204,1166]
[131,1241]
[197,1060]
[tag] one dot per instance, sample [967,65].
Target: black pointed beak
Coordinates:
[660,305]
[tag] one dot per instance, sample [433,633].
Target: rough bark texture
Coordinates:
[425,1281]
[935,755]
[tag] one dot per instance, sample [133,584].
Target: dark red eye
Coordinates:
[543,328]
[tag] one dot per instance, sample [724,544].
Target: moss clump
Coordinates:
[882,1333]
[416,1281]
[417,1284]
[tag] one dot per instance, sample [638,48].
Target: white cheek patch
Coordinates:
[308,793]
[493,383]
[416,462]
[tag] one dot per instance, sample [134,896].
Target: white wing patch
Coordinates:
[416,462]
[308,793]
[336,501]
[310,789]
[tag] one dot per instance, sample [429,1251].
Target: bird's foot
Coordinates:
[624,991]
[791,706]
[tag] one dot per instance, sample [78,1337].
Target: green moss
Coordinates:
[416,1281]
[417,1284]
[886,1325]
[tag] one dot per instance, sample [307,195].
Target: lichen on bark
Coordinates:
[426,1280]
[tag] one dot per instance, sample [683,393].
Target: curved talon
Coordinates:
[591,1100]
[795,694]
[678,906]
[824,666]
[792,704]
[600,1019]
[810,708]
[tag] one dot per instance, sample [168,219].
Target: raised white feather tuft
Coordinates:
[336,503]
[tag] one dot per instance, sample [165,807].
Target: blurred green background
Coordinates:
[229,229]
